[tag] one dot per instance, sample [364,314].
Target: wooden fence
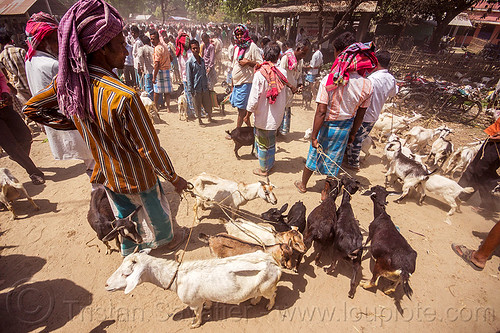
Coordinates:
[444,66]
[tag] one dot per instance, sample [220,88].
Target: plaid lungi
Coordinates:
[332,137]
[154,222]
[354,149]
[265,146]
[285,123]
[163,83]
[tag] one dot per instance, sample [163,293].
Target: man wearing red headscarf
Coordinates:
[41,68]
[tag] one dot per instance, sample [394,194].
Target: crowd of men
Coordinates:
[80,79]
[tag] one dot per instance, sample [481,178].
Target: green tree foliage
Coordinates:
[442,11]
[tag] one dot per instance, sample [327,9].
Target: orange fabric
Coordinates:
[493,129]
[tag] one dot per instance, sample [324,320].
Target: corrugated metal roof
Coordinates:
[328,6]
[15,7]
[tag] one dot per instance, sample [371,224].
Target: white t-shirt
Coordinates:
[316,61]
[343,102]
[245,74]
[182,63]
[266,116]
[384,86]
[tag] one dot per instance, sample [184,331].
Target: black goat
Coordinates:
[321,221]
[348,240]
[104,223]
[296,217]
[242,136]
[394,257]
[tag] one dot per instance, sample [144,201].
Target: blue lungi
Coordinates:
[154,221]
[239,96]
[332,137]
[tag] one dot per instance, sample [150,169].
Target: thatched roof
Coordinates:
[293,7]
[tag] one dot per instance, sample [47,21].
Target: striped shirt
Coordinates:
[122,140]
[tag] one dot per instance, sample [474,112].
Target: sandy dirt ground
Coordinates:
[53,269]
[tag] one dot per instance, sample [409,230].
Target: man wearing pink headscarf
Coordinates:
[41,68]
[112,120]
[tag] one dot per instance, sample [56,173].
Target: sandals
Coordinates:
[298,185]
[466,255]
[37,179]
[179,238]
[259,172]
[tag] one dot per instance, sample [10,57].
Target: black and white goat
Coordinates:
[441,149]
[411,172]
[394,257]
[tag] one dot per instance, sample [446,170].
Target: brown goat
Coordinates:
[224,245]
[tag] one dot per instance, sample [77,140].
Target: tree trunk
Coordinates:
[320,18]
[440,29]
[350,10]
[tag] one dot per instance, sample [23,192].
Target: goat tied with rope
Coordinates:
[198,283]
[229,195]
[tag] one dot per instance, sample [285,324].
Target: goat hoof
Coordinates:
[195,325]
[366,285]
[350,295]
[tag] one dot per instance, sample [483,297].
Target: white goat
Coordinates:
[182,106]
[11,189]
[229,280]
[150,106]
[388,123]
[446,188]
[228,193]
[389,153]
[441,148]
[418,137]
[461,158]
[367,143]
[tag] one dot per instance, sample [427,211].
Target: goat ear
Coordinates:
[367,193]
[146,251]
[134,278]
[284,208]
[262,183]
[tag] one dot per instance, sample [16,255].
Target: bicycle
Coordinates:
[463,105]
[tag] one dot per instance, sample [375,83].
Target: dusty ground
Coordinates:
[53,275]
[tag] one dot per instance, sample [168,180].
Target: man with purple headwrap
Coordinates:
[112,120]
[41,68]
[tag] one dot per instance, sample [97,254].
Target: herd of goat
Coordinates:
[250,256]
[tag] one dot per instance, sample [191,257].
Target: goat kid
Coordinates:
[348,240]
[388,123]
[209,189]
[418,137]
[224,245]
[296,217]
[101,218]
[242,136]
[441,148]
[182,107]
[229,280]
[409,171]
[150,106]
[394,257]
[10,190]
[265,235]
[321,221]
[448,189]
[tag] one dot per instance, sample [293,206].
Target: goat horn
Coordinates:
[134,212]
[267,180]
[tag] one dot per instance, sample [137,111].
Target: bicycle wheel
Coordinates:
[471,110]
[417,102]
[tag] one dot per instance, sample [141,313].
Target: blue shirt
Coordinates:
[196,75]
